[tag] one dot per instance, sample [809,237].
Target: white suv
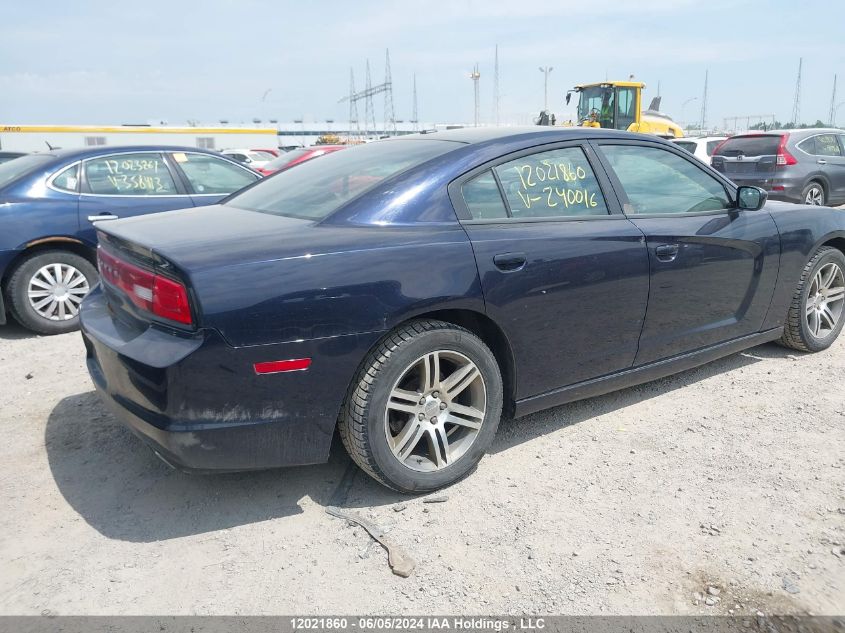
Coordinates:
[701,147]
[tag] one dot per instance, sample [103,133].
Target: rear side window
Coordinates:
[212,175]
[827,145]
[556,183]
[68,180]
[758,145]
[658,181]
[129,175]
[482,197]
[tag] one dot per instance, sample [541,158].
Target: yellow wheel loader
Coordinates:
[618,105]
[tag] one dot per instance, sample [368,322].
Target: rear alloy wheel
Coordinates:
[817,312]
[814,194]
[46,290]
[424,407]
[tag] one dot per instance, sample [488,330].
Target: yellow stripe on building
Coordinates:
[131,129]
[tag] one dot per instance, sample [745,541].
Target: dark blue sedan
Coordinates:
[409,292]
[50,201]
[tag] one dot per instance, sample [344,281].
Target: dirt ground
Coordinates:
[722,485]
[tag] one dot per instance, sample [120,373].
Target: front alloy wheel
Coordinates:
[817,312]
[825,300]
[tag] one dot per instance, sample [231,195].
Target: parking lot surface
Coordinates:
[718,490]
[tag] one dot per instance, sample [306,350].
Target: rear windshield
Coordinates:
[711,145]
[763,145]
[14,169]
[687,145]
[287,158]
[317,188]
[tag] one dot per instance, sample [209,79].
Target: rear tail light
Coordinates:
[149,291]
[783,156]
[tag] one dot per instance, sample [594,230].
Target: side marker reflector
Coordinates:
[279,366]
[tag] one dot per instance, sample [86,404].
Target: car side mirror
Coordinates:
[750,198]
[568,97]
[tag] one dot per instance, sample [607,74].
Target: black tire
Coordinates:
[818,189]
[18,286]
[362,421]
[796,331]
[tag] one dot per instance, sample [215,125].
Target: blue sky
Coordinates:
[115,62]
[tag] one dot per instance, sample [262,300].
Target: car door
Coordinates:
[713,268]
[830,157]
[563,272]
[126,184]
[211,178]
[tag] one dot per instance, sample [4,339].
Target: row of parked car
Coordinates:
[50,202]
[805,166]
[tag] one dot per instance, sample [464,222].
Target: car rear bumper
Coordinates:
[198,402]
[786,189]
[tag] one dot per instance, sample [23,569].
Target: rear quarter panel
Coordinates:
[391,274]
[802,229]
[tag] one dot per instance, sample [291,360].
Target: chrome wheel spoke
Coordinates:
[814,322]
[403,400]
[431,371]
[462,378]
[826,315]
[439,446]
[461,415]
[407,440]
[835,294]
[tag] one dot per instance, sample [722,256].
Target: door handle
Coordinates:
[102,216]
[666,252]
[509,262]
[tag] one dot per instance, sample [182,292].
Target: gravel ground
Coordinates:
[720,489]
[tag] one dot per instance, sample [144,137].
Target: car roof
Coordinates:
[100,150]
[804,131]
[550,134]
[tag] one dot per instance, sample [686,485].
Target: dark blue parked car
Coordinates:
[410,291]
[49,202]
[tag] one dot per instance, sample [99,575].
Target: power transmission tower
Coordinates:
[832,116]
[704,102]
[369,110]
[389,115]
[415,119]
[796,104]
[366,95]
[496,86]
[353,106]
[475,76]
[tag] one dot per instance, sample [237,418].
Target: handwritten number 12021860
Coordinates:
[533,177]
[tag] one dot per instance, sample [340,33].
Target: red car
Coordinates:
[266,150]
[297,156]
